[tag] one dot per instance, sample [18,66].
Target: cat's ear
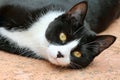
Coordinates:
[78,12]
[102,42]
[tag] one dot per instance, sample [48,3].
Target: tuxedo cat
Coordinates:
[64,37]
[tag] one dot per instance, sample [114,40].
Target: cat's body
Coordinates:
[96,9]
[54,32]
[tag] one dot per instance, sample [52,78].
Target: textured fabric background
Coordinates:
[105,67]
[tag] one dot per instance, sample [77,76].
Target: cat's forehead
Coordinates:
[59,22]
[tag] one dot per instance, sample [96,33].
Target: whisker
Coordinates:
[62,68]
[77,30]
[91,46]
[13,21]
[72,66]
[76,66]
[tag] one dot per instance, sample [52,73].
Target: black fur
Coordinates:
[70,23]
[90,50]
[11,47]
[77,24]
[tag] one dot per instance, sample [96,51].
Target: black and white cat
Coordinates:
[63,37]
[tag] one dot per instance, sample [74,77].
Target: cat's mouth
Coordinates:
[60,54]
[53,60]
[59,61]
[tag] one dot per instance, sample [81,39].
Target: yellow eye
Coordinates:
[63,37]
[77,54]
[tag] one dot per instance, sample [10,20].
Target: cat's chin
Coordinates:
[58,62]
[60,54]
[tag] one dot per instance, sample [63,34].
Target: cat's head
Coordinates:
[72,43]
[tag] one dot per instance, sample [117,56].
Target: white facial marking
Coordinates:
[33,38]
[65,51]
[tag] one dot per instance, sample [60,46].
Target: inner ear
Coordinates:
[105,41]
[102,42]
[78,11]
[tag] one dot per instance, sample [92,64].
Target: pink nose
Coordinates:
[60,55]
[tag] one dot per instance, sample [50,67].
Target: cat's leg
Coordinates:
[11,47]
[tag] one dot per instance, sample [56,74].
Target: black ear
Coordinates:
[102,42]
[78,11]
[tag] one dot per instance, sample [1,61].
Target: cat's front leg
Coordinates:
[11,47]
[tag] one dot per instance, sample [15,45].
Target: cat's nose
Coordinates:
[60,55]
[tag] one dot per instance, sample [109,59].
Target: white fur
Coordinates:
[34,39]
[64,49]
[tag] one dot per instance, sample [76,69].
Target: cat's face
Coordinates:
[71,43]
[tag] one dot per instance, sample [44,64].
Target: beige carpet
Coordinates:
[105,67]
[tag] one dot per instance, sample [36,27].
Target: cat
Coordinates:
[65,37]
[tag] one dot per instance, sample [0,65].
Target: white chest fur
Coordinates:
[34,37]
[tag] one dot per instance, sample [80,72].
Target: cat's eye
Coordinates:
[63,37]
[77,54]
